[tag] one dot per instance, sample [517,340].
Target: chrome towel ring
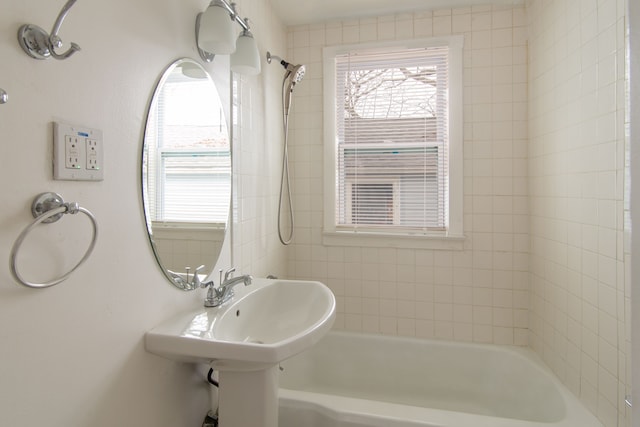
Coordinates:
[47,208]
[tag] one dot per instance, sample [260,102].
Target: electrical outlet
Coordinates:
[94,154]
[77,153]
[71,152]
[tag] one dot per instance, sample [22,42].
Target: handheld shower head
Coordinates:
[294,74]
[297,71]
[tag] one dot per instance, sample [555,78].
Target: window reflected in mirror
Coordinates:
[186,170]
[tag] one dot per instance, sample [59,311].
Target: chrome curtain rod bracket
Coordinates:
[38,44]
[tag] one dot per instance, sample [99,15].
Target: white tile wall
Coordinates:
[576,159]
[257,140]
[480,293]
[179,249]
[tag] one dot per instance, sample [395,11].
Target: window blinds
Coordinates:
[392,148]
[195,186]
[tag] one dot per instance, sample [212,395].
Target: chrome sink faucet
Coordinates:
[224,292]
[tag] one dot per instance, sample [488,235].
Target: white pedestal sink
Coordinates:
[246,339]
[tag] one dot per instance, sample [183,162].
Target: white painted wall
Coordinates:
[73,355]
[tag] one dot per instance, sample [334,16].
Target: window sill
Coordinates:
[188,226]
[380,240]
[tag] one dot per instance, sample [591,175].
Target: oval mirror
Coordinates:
[186,173]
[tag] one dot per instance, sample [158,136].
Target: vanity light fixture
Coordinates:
[215,35]
[246,58]
[214,30]
[38,44]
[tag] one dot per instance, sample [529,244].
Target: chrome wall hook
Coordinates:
[38,44]
[4,96]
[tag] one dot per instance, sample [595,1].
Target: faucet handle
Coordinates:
[177,279]
[196,283]
[229,273]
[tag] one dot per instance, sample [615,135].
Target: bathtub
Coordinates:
[358,380]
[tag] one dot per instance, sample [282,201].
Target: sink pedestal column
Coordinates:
[248,398]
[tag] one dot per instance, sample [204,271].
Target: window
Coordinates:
[394,147]
[189,166]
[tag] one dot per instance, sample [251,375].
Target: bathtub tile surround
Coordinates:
[544,260]
[576,158]
[477,294]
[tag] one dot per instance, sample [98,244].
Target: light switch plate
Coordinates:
[77,153]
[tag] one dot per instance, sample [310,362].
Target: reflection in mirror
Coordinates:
[186,173]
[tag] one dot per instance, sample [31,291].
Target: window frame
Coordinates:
[453,237]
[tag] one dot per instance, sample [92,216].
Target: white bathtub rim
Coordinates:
[376,414]
[381,414]
[340,407]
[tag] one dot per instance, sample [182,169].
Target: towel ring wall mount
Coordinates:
[46,209]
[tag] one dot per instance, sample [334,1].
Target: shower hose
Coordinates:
[285,178]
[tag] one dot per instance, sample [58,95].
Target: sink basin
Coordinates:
[265,323]
[245,339]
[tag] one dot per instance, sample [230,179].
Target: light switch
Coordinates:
[77,153]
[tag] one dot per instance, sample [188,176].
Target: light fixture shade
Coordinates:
[246,58]
[193,70]
[217,34]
